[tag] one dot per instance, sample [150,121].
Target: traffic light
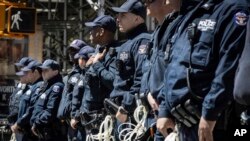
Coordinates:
[2,17]
[21,20]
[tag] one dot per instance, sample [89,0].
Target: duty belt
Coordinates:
[187,113]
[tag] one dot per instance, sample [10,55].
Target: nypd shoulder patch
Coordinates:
[241,18]
[56,89]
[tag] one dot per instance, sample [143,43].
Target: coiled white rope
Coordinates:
[105,131]
[131,131]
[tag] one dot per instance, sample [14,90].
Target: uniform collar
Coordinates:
[38,80]
[141,28]
[57,78]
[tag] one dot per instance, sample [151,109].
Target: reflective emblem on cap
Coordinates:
[241,18]
[56,89]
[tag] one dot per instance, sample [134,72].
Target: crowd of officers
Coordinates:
[183,72]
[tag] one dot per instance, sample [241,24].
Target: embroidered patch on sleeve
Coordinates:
[241,18]
[56,89]
[142,49]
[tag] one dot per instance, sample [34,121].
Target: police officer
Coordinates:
[21,88]
[131,55]
[44,123]
[152,80]
[201,66]
[70,81]
[28,99]
[241,84]
[241,88]
[79,90]
[102,34]
[15,97]
[101,73]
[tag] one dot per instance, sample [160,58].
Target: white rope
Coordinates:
[105,131]
[132,131]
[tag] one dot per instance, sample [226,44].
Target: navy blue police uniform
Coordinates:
[25,103]
[241,88]
[241,84]
[43,118]
[17,93]
[79,91]
[203,59]
[153,81]
[70,82]
[100,75]
[130,59]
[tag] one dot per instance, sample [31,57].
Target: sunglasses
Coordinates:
[147,1]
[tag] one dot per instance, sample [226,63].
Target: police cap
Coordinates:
[132,6]
[104,21]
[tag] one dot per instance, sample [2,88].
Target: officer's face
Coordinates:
[32,75]
[126,21]
[72,53]
[48,73]
[156,8]
[95,35]
[24,79]
[82,63]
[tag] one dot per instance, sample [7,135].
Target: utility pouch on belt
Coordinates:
[187,113]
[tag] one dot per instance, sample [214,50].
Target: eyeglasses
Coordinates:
[147,1]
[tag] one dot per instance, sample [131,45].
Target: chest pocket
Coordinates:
[201,51]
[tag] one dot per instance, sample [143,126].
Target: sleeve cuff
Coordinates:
[164,113]
[210,114]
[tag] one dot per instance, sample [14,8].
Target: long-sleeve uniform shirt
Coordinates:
[217,46]
[15,100]
[241,89]
[46,106]
[26,104]
[96,84]
[130,59]
[66,101]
